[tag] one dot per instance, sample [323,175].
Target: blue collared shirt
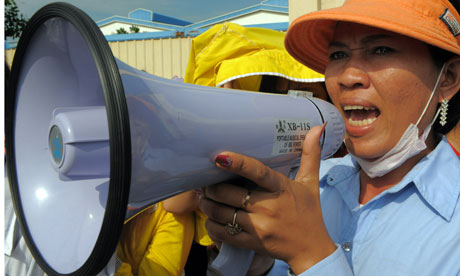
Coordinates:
[413,228]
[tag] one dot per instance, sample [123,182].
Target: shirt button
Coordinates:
[346,246]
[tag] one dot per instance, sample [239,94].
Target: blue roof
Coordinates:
[281,26]
[193,33]
[231,15]
[141,36]
[143,14]
[169,20]
[135,21]
[281,3]
[148,18]
[10,44]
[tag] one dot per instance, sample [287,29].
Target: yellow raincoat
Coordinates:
[155,242]
[229,52]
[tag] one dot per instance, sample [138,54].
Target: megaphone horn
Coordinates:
[91,141]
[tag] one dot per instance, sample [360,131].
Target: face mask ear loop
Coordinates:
[436,116]
[431,97]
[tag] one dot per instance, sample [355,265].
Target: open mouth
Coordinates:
[358,115]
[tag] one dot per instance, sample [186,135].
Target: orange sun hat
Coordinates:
[435,22]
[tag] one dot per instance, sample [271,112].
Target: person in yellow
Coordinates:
[154,243]
[158,240]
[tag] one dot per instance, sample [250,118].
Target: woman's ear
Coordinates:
[450,84]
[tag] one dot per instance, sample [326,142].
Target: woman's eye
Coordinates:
[382,50]
[337,55]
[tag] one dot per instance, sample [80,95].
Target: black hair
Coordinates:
[440,56]
[453,113]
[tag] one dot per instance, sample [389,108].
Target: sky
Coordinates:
[188,10]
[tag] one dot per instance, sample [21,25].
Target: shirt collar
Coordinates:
[338,174]
[437,178]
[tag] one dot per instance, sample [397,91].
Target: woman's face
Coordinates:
[381,82]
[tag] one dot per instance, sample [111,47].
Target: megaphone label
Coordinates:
[289,135]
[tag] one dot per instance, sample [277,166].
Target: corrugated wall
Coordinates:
[162,57]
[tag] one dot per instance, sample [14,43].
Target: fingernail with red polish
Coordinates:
[223,160]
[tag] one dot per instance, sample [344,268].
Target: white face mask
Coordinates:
[408,146]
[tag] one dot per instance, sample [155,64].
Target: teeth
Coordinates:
[364,122]
[357,107]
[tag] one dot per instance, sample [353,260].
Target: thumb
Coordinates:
[311,155]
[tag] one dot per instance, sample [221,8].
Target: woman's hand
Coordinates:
[282,218]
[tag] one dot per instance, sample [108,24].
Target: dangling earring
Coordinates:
[444,105]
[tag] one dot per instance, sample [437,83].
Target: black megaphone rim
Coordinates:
[119,134]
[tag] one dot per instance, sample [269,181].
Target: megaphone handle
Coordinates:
[231,261]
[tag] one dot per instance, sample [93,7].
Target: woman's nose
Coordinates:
[354,76]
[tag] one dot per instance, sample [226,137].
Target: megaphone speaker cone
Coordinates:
[71,221]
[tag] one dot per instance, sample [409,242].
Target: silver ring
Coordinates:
[233,228]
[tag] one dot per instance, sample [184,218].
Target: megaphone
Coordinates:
[91,141]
